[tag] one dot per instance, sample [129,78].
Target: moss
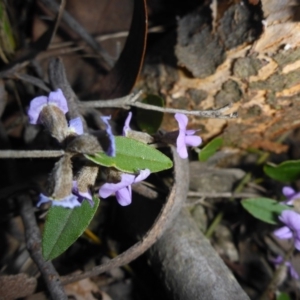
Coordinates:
[197,95]
[229,93]
[252,111]
[245,67]
[277,82]
[286,57]
[180,103]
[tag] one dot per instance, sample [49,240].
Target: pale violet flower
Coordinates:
[70,201]
[290,194]
[73,200]
[291,219]
[111,151]
[126,127]
[56,98]
[82,195]
[185,137]
[279,260]
[76,126]
[123,189]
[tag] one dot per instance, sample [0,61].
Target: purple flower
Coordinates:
[70,201]
[126,127]
[111,151]
[290,194]
[75,125]
[122,189]
[292,229]
[279,260]
[37,104]
[82,195]
[185,137]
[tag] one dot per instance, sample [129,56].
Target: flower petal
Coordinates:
[111,151]
[43,199]
[190,131]
[35,108]
[109,188]
[142,176]
[278,260]
[75,125]
[70,201]
[182,121]
[57,98]
[181,146]
[82,195]
[288,192]
[126,127]
[291,219]
[193,141]
[283,233]
[124,196]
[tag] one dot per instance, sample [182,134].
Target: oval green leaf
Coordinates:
[132,156]
[283,296]
[149,120]
[64,226]
[265,209]
[285,172]
[210,149]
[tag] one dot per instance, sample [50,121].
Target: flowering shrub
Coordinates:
[129,159]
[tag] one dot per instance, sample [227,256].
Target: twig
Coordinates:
[76,27]
[58,18]
[31,153]
[123,102]
[33,243]
[221,195]
[33,80]
[170,210]
[64,48]
[131,100]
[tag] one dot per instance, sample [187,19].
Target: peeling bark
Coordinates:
[259,74]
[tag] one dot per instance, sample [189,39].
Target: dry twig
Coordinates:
[131,100]
[33,243]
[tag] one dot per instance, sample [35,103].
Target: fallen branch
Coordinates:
[33,243]
[190,267]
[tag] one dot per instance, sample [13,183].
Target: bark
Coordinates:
[257,71]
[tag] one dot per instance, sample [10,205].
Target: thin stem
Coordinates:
[131,100]
[31,153]
[221,195]
[123,102]
[277,277]
[214,224]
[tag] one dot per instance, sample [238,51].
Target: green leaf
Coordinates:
[210,149]
[64,226]
[283,296]
[265,209]
[286,171]
[150,121]
[132,156]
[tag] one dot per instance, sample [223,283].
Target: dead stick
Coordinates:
[33,243]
